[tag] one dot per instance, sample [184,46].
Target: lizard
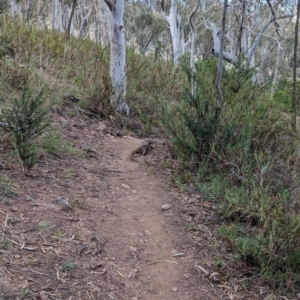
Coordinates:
[143,149]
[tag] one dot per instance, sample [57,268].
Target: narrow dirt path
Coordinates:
[93,228]
[149,246]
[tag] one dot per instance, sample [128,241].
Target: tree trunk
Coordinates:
[84,12]
[63,17]
[193,43]
[71,19]
[294,95]
[220,58]
[174,22]
[55,5]
[104,22]
[15,10]
[274,82]
[117,57]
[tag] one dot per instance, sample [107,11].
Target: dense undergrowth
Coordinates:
[243,157]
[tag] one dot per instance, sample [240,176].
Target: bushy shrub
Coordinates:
[245,158]
[282,94]
[26,120]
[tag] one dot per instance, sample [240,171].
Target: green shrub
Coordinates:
[26,120]
[283,92]
[245,159]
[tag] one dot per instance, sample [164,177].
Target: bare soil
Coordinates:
[94,228]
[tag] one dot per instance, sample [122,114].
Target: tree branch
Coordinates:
[259,35]
[110,4]
[216,50]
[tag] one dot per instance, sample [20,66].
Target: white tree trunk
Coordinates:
[174,22]
[220,58]
[217,44]
[15,9]
[63,17]
[105,22]
[84,12]
[55,6]
[193,36]
[117,57]
[274,82]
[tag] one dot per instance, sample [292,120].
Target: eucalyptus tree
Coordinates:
[63,16]
[55,11]
[193,36]
[117,56]
[173,17]
[22,9]
[147,28]
[15,8]
[70,28]
[85,9]
[102,23]
[295,61]
[249,23]
[220,58]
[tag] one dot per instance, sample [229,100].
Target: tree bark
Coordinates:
[193,42]
[55,5]
[220,58]
[104,16]
[71,19]
[294,95]
[15,10]
[117,57]
[174,22]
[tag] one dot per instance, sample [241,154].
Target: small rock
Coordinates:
[166,207]
[191,201]
[63,203]
[174,289]
[34,196]
[133,249]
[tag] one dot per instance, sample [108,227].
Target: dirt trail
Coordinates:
[115,242]
[144,235]
[146,243]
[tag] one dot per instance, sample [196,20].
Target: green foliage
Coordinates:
[70,266]
[6,245]
[6,187]
[54,143]
[283,92]
[44,56]
[43,225]
[4,5]
[150,83]
[147,29]
[245,159]
[26,120]
[5,50]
